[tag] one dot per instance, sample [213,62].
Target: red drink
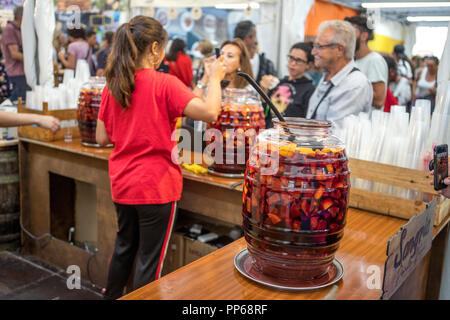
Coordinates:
[88,107]
[294,217]
[239,122]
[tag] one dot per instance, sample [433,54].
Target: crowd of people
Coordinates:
[333,77]
[394,79]
[148,90]
[13,83]
[138,114]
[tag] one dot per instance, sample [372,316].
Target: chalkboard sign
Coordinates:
[100,20]
[407,248]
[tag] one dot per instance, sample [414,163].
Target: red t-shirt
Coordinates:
[12,35]
[140,167]
[390,101]
[182,68]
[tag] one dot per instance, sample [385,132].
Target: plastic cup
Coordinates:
[67,134]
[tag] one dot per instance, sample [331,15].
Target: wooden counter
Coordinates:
[49,175]
[48,171]
[214,276]
[224,203]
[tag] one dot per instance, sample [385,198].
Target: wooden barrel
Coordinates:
[9,195]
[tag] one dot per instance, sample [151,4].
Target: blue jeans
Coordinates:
[20,88]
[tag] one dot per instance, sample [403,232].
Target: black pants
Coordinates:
[144,232]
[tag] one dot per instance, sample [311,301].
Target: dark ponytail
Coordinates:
[131,40]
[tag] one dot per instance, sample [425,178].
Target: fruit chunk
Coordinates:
[308,151]
[338,185]
[296,225]
[330,168]
[314,222]
[326,203]
[333,211]
[304,203]
[318,193]
[287,150]
[274,218]
[295,210]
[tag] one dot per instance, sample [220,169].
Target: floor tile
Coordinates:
[52,288]
[27,278]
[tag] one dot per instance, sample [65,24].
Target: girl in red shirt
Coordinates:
[138,113]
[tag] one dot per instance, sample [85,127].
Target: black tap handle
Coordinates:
[224,83]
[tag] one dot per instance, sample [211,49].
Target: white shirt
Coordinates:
[401,90]
[424,86]
[404,69]
[352,93]
[255,65]
[374,67]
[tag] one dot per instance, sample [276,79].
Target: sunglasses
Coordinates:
[296,60]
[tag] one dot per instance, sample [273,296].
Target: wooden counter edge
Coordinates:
[68,149]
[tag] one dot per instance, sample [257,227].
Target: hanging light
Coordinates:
[238,6]
[382,5]
[428,18]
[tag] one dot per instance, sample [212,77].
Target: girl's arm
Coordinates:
[101,135]
[207,64]
[209,109]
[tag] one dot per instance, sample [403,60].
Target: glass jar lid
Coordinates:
[303,132]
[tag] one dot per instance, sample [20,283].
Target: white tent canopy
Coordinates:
[189,3]
[281,22]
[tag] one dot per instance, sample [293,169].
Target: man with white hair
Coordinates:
[343,90]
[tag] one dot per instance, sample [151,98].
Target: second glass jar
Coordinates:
[240,120]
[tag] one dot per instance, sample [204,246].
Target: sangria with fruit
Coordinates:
[238,124]
[295,199]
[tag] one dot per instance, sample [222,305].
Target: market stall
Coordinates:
[362,252]
[68,218]
[49,168]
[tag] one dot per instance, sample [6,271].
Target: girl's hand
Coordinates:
[217,71]
[207,64]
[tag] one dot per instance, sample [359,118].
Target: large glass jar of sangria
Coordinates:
[88,108]
[295,199]
[238,124]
